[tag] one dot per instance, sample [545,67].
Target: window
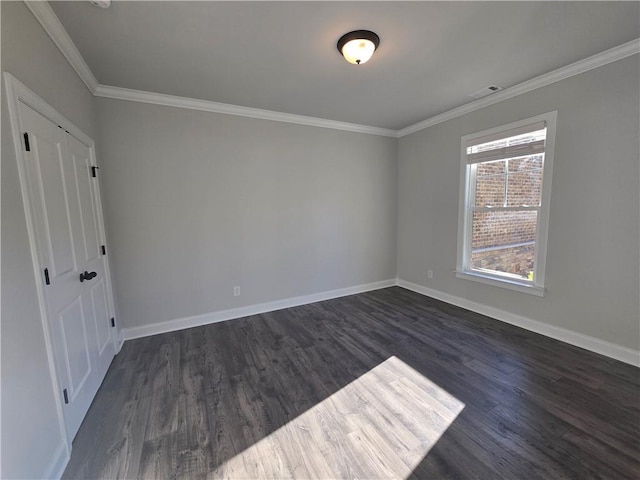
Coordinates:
[505,187]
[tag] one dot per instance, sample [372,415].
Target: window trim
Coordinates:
[465,218]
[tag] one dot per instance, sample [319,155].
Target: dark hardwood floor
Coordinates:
[385,384]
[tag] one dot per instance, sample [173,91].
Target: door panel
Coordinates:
[82,165]
[65,211]
[101,315]
[56,208]
[57,236]
[80,156]
[72,324]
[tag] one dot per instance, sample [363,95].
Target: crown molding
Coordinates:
[576,68]
[228,109]
[581,66]
[51,24]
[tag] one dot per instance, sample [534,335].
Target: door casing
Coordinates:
[18,93]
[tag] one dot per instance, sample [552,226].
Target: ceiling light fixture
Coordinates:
[358,46]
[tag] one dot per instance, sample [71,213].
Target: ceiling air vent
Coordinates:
[483,92]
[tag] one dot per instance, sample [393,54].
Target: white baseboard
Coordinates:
[222,315]
[593,344]
[596,345]
[120,341]
[58,463]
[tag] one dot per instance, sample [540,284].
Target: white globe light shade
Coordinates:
[358,51]
[358,46]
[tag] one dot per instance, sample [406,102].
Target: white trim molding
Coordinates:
[229,109]
[24,94]
[240,312]
[501,282]
[592,344]
[17,92]
[602,347]
[576,68]
[59,462]
[51,24]
[467,204]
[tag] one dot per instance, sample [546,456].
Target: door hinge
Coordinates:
[113,322]
[27,147]
[94,171]
[46,276]
[104,249]
[66,396]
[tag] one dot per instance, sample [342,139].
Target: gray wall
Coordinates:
[593,255]
[30,433]
[199,202]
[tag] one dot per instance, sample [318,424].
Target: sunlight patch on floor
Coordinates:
[381,425]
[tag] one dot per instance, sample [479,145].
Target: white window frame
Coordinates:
[465,217]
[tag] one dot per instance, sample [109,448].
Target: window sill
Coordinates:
[500,282]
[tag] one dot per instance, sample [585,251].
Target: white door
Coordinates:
[66,218]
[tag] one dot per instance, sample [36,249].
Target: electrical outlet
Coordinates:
[236,291]
[429,273]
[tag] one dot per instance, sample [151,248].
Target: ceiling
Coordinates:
[282,56]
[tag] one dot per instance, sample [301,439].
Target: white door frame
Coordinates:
[18,92]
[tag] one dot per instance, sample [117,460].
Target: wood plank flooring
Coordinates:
[385,384]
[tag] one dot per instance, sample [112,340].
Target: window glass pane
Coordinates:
[491,168]
[531,162]
[525,188]
[504,242]
[514,262]
[490,191]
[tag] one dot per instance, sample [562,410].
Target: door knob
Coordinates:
[87,276]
